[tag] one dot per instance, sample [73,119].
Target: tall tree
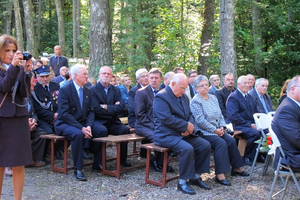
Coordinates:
[227,46]
[257,36]
[39,23]
[100,36]
[7,25]
[30,35]
[61,26]
[206,37]
[18,22]
[75,28]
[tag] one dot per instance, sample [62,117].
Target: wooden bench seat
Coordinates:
[152,147]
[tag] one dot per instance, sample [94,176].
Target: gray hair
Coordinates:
[241,78]
[258,81]
[198,79]
[211,78]
[100,70]
[139,72]
[75,69]
[168,74]
[177,78]
[293,82]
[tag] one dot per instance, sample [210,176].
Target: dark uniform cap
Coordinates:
[43,70]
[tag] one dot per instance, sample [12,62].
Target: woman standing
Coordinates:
[209,120]
[15,149]
[124,89]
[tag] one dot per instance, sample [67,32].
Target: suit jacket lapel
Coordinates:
[102,92]
[150,93]
[85,101]
[109,95]
[75,97]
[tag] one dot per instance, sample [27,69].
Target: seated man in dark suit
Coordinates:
[141,81]
[173,129]
[222,94]
[262,100]
[62,75]
[240,109]
[76,118]
[144,125]
[286,125]
[108,104]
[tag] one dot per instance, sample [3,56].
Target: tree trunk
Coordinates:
[257,37]
[75,24]
[39,23]
[100,36]
[30,35]
[61,26]
[206,37]
[19,29]
[227,47]
[78,26]
[7,25]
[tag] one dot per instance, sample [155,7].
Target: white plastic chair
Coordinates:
[279,172]
[262,122]
[271,114]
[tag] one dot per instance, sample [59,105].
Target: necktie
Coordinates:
[155,92]
[57,62]
[46,88]
[264,104]
[80,96]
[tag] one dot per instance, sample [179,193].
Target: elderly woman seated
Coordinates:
[209,120]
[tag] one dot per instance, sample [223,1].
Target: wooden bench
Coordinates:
[65,167]
[152,147]
[117,140]
[242,142]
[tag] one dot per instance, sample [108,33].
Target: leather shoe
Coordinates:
[185,188]
[86,156]
[155,166]
[39,163]
[125,164]
[79,175]
[247,161]
[169,168]
[261,159]
[97,168]
[235,173]
[198,182]
[223,181]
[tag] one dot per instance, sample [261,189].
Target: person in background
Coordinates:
[142,80]
[124,89]
[167,79]
[283,91]
[178,70]
[209,120]
[58,60]
[92,80]
[62,75]
[214,84]
[113,81]
[190,91]
[251,82]
[118,80]
[14,135]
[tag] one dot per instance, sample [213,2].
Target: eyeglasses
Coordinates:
[203,85]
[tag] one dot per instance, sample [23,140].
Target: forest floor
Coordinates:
[42,184]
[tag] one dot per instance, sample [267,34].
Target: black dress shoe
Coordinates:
[198,182]
[125,164]
[86,156]
[185,188]
[261,158]
[247,161]
[97,168]
[58,155]
[223,181]
[155,166]
[235,173]
[169,168]
[79,175]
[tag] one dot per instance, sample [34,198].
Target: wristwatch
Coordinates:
[103,106]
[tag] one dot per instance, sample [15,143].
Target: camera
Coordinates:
[26,56]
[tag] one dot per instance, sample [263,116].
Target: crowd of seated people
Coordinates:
[181,113]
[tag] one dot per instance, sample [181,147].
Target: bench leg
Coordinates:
[65,156]
[52,155]
[147,165]
[103,158]
[165,167]
[118,160]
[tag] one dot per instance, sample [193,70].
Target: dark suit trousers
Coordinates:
[37,144]
[76,138]
[190,164]
[113,128]
[226,153]
[251,135]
